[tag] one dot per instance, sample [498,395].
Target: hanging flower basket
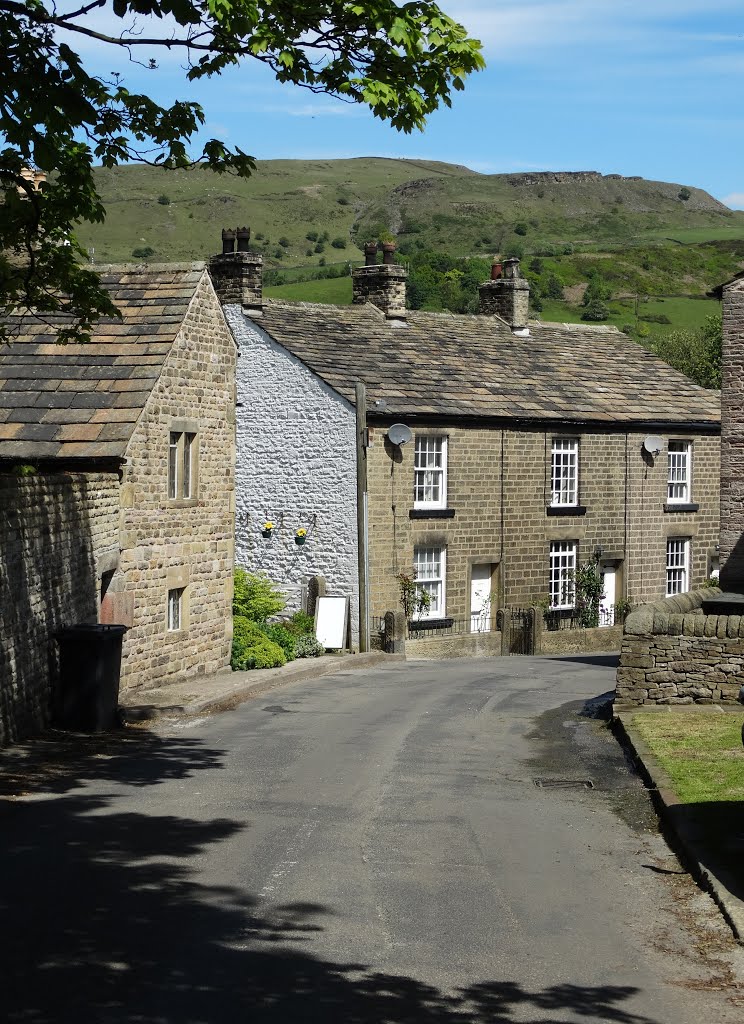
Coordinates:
[267,529]
[301,536]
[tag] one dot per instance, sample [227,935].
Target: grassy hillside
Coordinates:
[427,205]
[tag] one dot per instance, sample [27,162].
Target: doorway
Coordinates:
[480,597]
[609,595]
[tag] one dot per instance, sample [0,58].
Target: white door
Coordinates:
[607,601]
[480,598]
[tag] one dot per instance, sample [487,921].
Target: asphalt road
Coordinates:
[427,842]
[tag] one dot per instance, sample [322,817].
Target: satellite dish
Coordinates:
[653,444]
[399,434]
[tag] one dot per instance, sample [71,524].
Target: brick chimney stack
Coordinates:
[507,295]
[237,276]
[382,284]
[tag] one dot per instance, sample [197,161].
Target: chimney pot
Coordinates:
[370,254]
[244,238]
[388,252]
[496,270]
[228,241]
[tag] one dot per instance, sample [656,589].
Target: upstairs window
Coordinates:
[175,609]
[562,574]
[430,472]
[181,464]
[677,566]
[679,464]
[564,472]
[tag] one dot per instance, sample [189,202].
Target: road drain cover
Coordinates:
[564,783]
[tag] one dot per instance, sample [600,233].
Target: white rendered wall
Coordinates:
[296,465]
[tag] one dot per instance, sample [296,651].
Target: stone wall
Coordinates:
[296,465]
[732,439]
[498,492]
[463,645]
[580,641]
[181,543]
[673,653]
[58,534]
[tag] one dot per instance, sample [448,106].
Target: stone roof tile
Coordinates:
[83,401]
[446,364]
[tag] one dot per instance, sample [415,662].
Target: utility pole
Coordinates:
[362,534]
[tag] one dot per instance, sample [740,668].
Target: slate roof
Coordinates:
[83,401]
[449,365]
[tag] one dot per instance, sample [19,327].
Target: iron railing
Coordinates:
[570,618]
[377,623]
[421,629]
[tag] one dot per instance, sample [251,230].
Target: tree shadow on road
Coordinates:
[106,920]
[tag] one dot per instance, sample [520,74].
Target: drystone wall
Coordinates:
[58,533]
[296,466]
[673,653]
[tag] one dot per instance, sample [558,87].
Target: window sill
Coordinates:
[430,624]
[182,502]
[431,513]
[566,510]
[681,506]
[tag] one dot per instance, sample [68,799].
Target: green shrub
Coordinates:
[284,241]
[312,236]
[282,637]
[164,200]
[252,648]
[595,312]
[255,597]
[301,623]
[520,228]
[143,252]
[308,647]
[339,243]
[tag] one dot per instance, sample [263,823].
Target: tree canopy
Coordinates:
[401,60]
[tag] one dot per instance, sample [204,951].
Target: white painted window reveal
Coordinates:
[430,566]
[430,472]
[562,574]
[175,609]
[679,463]
[677,566]
[181,450]
[564,471]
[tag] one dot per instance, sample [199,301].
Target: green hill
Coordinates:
[178,215]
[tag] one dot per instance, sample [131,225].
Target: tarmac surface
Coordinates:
[411,842]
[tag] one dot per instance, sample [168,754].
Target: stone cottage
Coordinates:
[534,447]
[117,488]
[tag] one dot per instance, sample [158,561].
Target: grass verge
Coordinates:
[702,754]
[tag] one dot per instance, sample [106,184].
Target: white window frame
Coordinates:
[679,472]
[428,477]
[182,448]
[677,565]
[175,608]
[562,583]
[564,472]
[435,585]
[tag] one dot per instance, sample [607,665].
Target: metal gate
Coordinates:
[521,625]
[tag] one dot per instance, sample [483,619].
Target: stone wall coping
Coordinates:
[668,615]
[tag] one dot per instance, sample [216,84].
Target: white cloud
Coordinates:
[735,200]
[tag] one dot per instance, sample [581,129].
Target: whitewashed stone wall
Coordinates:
[296,465]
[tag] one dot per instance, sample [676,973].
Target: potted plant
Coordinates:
[267,529]
[301,535]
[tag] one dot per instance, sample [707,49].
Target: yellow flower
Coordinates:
[268,525]
[302,532]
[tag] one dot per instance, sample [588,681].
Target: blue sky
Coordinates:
[652,88]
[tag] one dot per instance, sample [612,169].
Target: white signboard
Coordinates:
[331,619]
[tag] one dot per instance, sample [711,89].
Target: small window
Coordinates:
[181,455]
[430,472]
[677,566]
[562,574]
[679,461]
[175,609]
[564,472]
[429,564]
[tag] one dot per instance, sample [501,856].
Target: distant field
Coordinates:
[719,233]
[685,314]
[334,290]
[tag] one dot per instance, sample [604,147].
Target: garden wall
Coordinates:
[579,641]
[673,653]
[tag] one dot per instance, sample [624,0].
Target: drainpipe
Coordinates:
[362,530]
